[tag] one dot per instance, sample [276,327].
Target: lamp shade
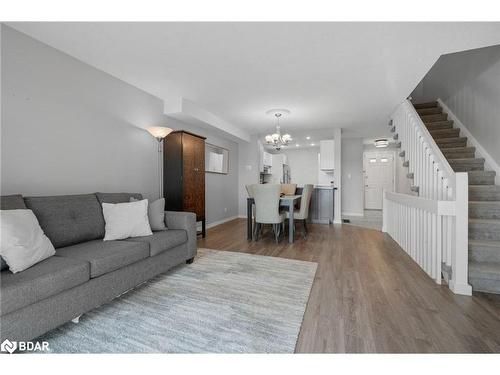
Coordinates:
[159,131]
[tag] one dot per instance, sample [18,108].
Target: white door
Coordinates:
[379,175]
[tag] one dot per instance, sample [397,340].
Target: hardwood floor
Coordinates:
[369,296]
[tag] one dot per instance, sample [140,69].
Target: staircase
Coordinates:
[484,198]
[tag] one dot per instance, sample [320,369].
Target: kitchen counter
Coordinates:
[322,203]
[326,187]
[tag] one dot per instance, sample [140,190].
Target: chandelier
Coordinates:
[276,139]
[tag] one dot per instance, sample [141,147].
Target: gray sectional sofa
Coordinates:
[86,271]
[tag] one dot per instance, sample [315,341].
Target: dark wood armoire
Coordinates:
[184,174]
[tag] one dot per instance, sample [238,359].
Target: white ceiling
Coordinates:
[349,75]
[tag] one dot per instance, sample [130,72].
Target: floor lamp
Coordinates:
[160,132]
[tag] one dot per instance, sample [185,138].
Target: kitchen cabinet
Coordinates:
[277,168]
[326,155]
[321,207]
[267,159]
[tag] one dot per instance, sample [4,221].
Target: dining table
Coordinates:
[287,201]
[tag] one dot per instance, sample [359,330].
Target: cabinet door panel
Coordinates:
[199,151]
[189,173]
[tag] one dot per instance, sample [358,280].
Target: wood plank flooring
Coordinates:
[369,296]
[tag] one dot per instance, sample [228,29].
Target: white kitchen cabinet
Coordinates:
[326,155]
[284,159]
[265,159]
[277,169]
[268,159]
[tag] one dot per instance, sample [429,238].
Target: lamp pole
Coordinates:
[160,165]
[159,132]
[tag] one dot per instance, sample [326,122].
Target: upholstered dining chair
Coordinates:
[302,213]
[288,189]
[250,195]
[267,209]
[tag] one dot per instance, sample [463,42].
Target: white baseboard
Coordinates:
[489,162]
[219,222]
[353,214]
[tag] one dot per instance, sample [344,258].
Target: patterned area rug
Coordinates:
[225,302]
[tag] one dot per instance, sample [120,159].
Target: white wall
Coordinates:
[352,176]
[248,156]
[68,128]
[469,84]
[303,165]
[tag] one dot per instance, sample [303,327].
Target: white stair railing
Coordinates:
[433,227]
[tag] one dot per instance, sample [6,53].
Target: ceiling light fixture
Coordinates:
[382,142]
[276,139]
[297,145]
[308,137]
[312,144]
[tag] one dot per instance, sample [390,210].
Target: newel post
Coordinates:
[459,282]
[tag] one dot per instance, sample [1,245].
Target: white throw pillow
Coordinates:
[124,220]
[23,242]
[156,213]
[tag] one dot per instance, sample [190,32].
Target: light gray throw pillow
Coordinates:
[23,242]
[156,214]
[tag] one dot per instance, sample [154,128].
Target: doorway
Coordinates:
[378,168]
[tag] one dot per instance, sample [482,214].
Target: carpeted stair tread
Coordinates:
[425,105]
[484,251]
[451,142]
[466,165]
[445,133]
[484,192]
[429,111]
[434,118]
[467,161]
[484,270]
[486,243]
[448,124]
[481,177]
[484,229]
[484,210]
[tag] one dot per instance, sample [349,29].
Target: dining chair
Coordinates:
[288,189]
[267,209]
[250,195]
[302,213]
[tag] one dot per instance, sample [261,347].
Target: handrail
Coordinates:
[449,173]
[441,208]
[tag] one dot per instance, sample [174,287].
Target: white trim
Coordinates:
[353,214]
[441,208]
[488,160]
[219,222]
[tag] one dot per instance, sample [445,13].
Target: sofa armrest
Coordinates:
[186,221]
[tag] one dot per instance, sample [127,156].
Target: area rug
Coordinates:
[225,302]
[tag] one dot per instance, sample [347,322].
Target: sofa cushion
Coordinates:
[68,219]
[10,202]
[106,256]
[162,240]
[117,197]
[47,278]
